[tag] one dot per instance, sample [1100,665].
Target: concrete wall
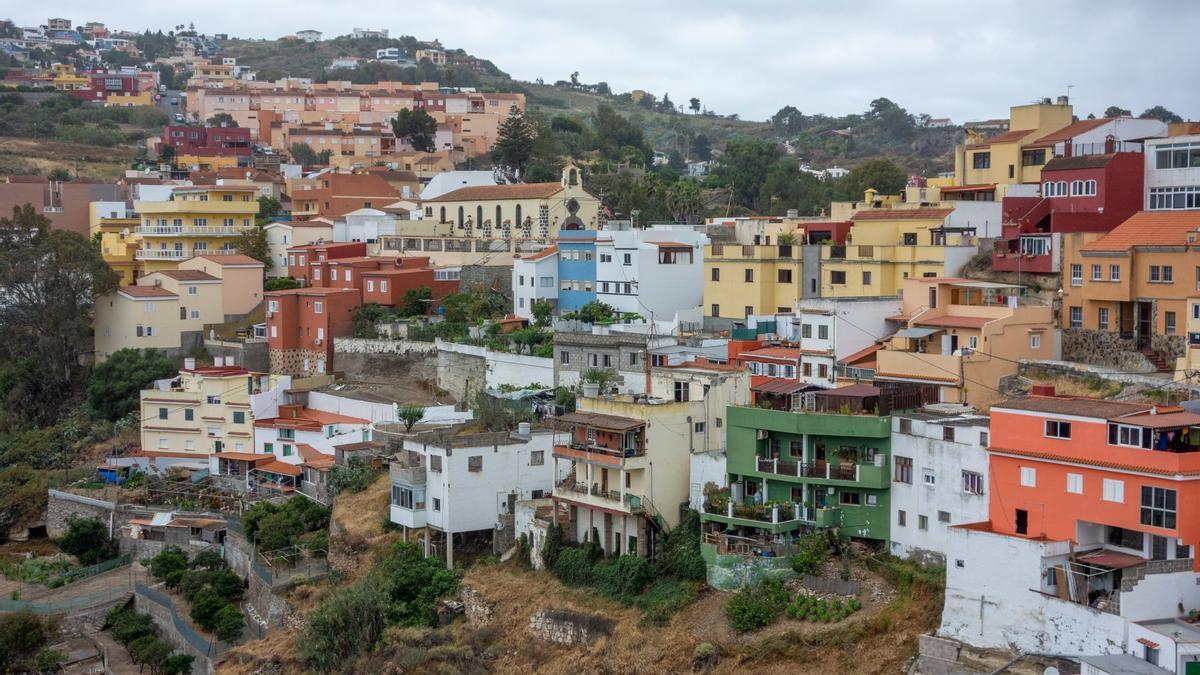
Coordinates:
[704,468]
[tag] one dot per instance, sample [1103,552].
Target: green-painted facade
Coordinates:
[836,467]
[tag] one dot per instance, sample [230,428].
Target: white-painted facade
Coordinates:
[535,277]
[939,479]
[636,275]
[364,225]
[1173,173]
[466,488]
[282,442]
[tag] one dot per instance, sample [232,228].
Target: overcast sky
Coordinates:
[958,59]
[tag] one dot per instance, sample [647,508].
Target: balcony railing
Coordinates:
[192,230]
[179,253]
[609,452]
[570,486]
[826,470]
[763,513]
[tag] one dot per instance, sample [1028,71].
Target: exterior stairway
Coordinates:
[1160,364]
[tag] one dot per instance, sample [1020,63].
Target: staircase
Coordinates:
[1160,363]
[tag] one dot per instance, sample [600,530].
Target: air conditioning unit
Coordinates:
[318,341]
[762,434]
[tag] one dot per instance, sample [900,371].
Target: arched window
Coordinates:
[573,177]
[442,218]
[517,222]
[1076,188]
[478,216]
[1089,188]
[1048,189]
[496,222]
[1062,188]
[460,217]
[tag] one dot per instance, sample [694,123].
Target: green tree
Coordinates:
[49,661]
[615,135]
[542,311]
[684,201]
[49,279]
[417,128]
[150,650]
[891,120]
[878,174]
[515,141]
[269,209]
[416,301]
[115,388]
[410,414]
[280,284]
[744,167]
[221,119]
[166,75]
[694,105]
[166,154]
[788,120]
[702,148]
[1117,111]
[177,664]
[22,634]
[367,317]
[169,565]
[228,623]
[303,154]
[88,540]
[1161,114]
[253,242]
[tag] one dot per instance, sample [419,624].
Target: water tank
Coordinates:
[523,428]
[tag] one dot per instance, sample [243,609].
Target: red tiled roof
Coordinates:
[187,275]
[781,387]
[773,353]
[498,192]
[279,467]
[544,253]
[1149,228]
[1007,137]
[849,360]
[232,260]
[245,457]
[309,417]
[902,214]
[1068,132]
[147,292]
[1070,405]
[948,321]
[1077,162]
[1091,461]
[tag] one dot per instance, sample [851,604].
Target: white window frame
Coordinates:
[1114,491]
[1028,476]
[1075,483]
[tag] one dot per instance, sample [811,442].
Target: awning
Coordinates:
[783,387]
[1110,559]
[915,332]
[280,468]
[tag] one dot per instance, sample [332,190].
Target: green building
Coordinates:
[790,472]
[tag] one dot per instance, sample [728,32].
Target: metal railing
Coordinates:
[203,645]
[827,470]
[179,254]
[72,576]
[201,230]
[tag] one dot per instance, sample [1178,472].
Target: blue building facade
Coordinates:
[576,269]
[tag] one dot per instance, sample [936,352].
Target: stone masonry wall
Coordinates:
[291,361]
[463,375]
[62,506]
[1103,348]
[479,610]
[497,278]
[568,628]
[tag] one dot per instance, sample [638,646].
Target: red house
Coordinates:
[1087,193]
[310,264]
[208,141]
[105,84]
[301,326]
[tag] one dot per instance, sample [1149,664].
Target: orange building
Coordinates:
[1120,480]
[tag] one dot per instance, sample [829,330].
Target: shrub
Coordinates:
[814,551]
[354,476]
[22,633]
[317,543]
[621,577]
[88,540]
[228,623]
[664,598]
[552,546]
[756,606]
[169,565]
[205,606]
[574,566]
[127,625]
[208,560]
[176,664]
[49,660]
[679,556]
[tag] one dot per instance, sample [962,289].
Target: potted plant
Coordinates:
[596,380]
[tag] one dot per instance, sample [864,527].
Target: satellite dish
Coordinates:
[1050,670]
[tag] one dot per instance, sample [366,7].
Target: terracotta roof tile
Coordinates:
[902,214]
[1070,131]
[187,275]
[232,260]
[544,253]
[1080,406]
[1139,468]
[1149,228]
[1078,162]
[147,292]
[498,192]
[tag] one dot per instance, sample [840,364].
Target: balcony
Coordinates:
[827,517]
[775,518]
[407,517]
[597,454]
[179,253]
[413,476]
[861,475]
[192,231]
[197,207]
[573,490]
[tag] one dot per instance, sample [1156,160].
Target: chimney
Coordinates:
[1043,390]
[189,364]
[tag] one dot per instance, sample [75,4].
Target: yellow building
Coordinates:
[206,163]
[158,311]
[744,280]
[520,211]
[66,79]
[206,411]
[116,227]
[984,167]
[887,246]
[1187,367]
[201,220]
[128,100]
[964,336]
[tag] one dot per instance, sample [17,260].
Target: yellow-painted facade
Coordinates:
[1001,160]
[198,163]
[195,221]
[740,280]
[208,412]
[155,313]
[882,252]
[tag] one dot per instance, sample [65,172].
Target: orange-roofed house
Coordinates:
[317,430]
[963,336]
[1093,520]
[985,168]
[1129,289]
[337,194]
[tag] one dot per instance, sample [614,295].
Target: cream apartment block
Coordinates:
[627,459]
[170,309]
[204,411]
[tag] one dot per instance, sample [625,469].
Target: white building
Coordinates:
[363,33]
[309,35]
[450,181]
[654,272]
[448,484]
[939,476]
[284,234]
[535,277]
[364,225]
[1173,173]
[297,426]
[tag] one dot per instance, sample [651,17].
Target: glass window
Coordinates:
[972,482]
[1158,507]
[1057,429]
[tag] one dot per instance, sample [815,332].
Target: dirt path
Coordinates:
[119,662]
[112,581]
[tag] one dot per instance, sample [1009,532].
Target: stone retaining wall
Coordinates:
[568,628]
[1103,348]
[479,610]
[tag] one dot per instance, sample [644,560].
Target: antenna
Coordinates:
[1069,88]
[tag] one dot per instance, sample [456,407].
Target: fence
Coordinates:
[829,584]
[202,645]
[67,605]
[85,572]
[281,572]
